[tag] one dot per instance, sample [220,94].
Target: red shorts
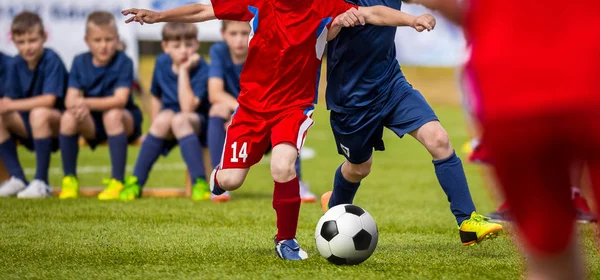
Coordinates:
[250,133]
[532,157]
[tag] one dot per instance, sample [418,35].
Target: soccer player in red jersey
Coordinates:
[540,84]
[278,87]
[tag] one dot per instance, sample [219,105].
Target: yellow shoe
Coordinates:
[69,188]
[477,229]
[467,147]
[325,201]
[112,191]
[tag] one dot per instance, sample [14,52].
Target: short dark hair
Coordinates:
[226,23]
[175,31]
[101,19]
[25,22]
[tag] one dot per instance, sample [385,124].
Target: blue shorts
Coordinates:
[28,142]
[169,144]
[101,135]
[356,135]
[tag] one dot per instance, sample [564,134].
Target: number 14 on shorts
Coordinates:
[243,152]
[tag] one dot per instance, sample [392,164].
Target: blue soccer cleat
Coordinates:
[290,250]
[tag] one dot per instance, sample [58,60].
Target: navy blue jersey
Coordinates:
[362,65]
[164,83]
[49,77]
[4,64]
[102,81]
[222,67]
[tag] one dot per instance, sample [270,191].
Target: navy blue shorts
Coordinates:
[356,135]
[28,142]
[101,135]
[169,144]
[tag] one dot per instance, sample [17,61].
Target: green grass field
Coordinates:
[177,238]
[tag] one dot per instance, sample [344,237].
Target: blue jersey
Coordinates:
[102,81]
[4,64]
[164,83]
[222,67]
[49,77]
[362,65]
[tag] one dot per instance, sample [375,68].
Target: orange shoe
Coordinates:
[325,200]
[220,198]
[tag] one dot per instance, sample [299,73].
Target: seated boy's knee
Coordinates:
[39,117]
[219,110]
[68,122]
[161,124]
[112,117]
[181,120]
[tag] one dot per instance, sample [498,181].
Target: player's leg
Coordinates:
[117,125]
[12,124]
[546,223]
[218,115]
[152,148]
[44,127]
[356,135]
[72,126]
[186,128]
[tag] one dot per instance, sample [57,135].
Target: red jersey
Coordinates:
[533,57]
[286,45]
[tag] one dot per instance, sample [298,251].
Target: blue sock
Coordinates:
[343,191]
[117,145]
[69,149]
[452,178]
[8,153]
[43,150]
[299,168]
[215,139]
[149,153]
[192,155]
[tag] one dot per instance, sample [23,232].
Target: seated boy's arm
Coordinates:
[217,94]
[188,101]
[117,100]
[73,98]
[187,13]
[28,104]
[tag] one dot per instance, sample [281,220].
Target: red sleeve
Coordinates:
[332,8]
[232,9]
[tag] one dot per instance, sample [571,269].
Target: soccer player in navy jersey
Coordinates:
[179,106]
[278,84]
[367,92]
[226,62]
[99,106]
[36,81]
[4,64]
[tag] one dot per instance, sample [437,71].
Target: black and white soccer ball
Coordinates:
[346,234]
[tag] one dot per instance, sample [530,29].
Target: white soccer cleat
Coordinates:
[305,195]
[36,189]
[12,187]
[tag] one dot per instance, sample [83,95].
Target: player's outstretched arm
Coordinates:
[384,16]
[188,13]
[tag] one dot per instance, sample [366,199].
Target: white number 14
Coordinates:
[243,154]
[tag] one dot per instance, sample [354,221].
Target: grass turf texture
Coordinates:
[179,238]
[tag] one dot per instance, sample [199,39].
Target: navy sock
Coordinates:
[343,190]
[299,168]
[69,149]
[192,155]
[8,153]
[43,150]
[149,153]
[117,145]
[215,139]
[452,178]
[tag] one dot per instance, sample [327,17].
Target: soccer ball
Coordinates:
[346,234]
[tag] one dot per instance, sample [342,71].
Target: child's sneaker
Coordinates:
[305,195]
[214,188]
[290,250]
[201,190]
[69,188]
[12,187]
[220,198]
[132,190]
[112,191]
[36,189]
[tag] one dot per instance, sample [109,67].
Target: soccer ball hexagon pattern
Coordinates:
[346,234]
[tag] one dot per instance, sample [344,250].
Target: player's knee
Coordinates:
[283,170]
[438,140]
[113,119]
[39,118]
[219,110]
[361,170]
[161,125]
[68,123]
[230,183]
[180,120]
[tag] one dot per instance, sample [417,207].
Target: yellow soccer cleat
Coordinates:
[201,190]
[69,188]
[112,191]
[477,229]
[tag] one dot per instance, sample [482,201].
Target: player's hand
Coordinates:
[191,62]
[424,22]
[141,15]
[350,18]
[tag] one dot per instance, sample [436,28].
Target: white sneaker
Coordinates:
[36,189]
[305,195]
[12,187]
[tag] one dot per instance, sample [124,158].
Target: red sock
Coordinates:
[286,202]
